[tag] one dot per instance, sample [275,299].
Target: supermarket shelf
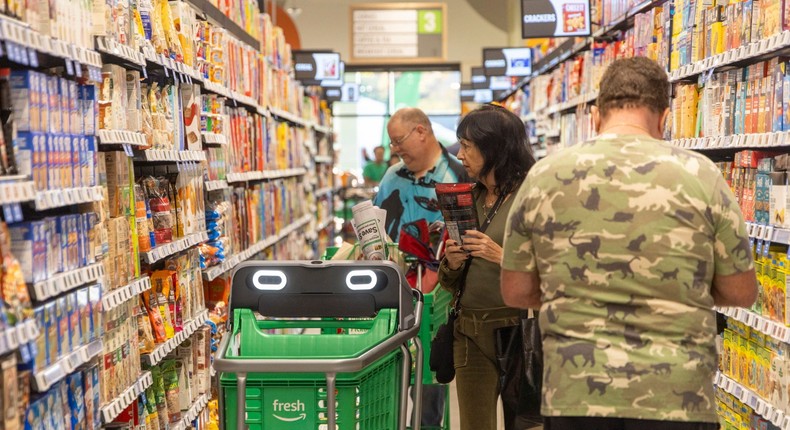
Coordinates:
[20,334]
[109,46]
[63,282]
[214,138]
[212,273]
[326,224]
[570,48]
[245,176]
[216,88]
[736,141]
[121,137]
[67,196]
[219,184]
[287,116]
[188,73]
[171,248]
[45,378]
[192,413]
[218,17]
[170,156]
[321,128]
[768,233]
[573,103]
[114,408]
[323,159]
[20,34]
[762,407]
[748,53]
[16,191]
[117,297]
[284,173]
[267,174]
[764,325]
[171,344]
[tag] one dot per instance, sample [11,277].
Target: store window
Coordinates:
[362,125]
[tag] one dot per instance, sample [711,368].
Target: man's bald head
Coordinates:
[411,117]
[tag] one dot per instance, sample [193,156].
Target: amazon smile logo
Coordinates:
[296,406]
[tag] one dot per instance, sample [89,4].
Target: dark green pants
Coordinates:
[476,371]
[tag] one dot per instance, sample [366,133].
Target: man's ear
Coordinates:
[596,118]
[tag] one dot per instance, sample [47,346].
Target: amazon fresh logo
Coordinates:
[287,410]
[290,408]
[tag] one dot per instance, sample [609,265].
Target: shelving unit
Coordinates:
[106,290]
[46,378]
[212,273]
[124,294]
[67,281]
[171,248]
[161,350]
[764,408]
[111,411]
[20,334]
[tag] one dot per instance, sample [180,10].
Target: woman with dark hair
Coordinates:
[495,152]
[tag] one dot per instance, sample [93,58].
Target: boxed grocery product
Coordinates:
[203,363]
[76,400]
[94,298]
[190,96]
[26,100]
[29,246]
[62,321]
[10,397]
[87,108]
[72,311]
[133,109]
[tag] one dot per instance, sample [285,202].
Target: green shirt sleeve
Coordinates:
[518,251]
[449,278]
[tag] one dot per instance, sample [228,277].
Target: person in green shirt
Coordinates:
[374,170]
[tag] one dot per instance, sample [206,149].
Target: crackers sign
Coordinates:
[555,18]
[398,32]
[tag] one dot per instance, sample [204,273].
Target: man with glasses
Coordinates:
[407,192]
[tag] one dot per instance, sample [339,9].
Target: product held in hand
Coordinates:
[368,222]
[458,209]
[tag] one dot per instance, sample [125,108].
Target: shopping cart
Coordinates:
[320,381]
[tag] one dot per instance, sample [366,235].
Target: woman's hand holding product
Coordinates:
[480,245]
[456,256]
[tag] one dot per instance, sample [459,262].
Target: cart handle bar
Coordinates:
[313,365]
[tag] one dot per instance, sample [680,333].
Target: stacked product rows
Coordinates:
[727,61]
[143,154]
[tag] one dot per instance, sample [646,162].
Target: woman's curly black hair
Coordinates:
[501,138]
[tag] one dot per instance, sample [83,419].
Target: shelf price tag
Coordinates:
[768,237]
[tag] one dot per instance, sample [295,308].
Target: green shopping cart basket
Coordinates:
[319,381]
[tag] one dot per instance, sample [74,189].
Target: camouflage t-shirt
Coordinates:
[626,233]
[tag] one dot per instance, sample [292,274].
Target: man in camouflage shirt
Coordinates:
[625,243]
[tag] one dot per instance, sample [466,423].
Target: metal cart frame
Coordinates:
[264,287]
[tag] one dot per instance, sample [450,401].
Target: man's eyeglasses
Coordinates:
[397,143]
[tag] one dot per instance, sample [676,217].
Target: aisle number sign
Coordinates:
[398,32]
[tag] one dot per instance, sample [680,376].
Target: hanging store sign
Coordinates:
[469,94]
[507,62]
[313,67]
[398,33]
[555,18]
